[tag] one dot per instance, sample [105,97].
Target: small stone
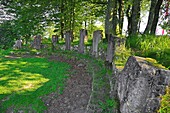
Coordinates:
[80,65]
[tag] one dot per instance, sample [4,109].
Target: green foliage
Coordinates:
[151,46]
[25,81]
[165,102]
[7,35]
[121,55]
[108,106]
[33,17]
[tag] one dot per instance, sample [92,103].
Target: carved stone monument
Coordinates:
[18,44]
[54,40]
[83,34]
[36,42]
[97,37]
[67,40]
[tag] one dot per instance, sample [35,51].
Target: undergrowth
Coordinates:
[157,47]
[165,102]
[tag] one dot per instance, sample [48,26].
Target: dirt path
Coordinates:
[76,94]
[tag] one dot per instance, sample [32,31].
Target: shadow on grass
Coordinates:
[24,81]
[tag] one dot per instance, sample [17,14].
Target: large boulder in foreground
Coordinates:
[140,86]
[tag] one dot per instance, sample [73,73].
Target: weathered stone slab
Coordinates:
[54,40]
[68,40]
[83,34]
[97,37]
[140,86]
[18,44]
[37,42]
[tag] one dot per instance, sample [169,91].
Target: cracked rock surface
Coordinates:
[140,86]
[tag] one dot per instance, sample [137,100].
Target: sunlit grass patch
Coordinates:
[23,81]
[121,56]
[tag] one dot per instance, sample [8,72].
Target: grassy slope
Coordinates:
[23,81]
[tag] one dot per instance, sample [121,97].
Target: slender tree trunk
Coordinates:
[61,21]
[109,17]
[85,24]
[114,20]
[168,12]
[135,17]
[121,16]
[73,18]
[151,16]
[156,17]
[129,17]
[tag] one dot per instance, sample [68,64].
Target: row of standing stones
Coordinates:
[138,87]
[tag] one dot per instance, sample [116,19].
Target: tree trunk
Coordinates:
[109,18]
[135,17]
[114,20]
[156,17]
[129,17]
[121,16]
[151,16]
[62,20]
[168,13]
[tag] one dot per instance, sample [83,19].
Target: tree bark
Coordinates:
[114,20]
[156,17]
[129,17]
[62,20]
[135,17]
[151,16]
[109,18]
[121,16]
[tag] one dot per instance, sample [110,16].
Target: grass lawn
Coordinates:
[24,81]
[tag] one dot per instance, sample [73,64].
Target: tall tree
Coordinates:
[156,16]
[121,15]
[151,16]
[135,17]
[110,20]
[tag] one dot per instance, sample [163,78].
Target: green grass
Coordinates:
[24,81]
[121,56]
[152,46]
[165,102]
